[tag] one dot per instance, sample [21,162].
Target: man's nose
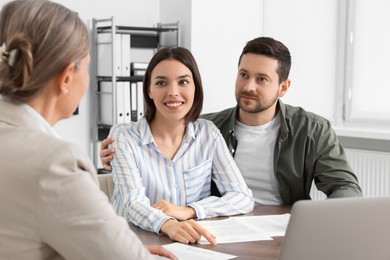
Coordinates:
[250,85]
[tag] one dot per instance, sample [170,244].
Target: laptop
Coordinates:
[338,229]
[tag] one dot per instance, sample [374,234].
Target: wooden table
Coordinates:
[259,250]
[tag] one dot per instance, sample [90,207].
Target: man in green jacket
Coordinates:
[279,149]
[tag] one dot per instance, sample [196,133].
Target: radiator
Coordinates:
[372,170]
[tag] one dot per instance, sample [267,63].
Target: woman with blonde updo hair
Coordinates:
[51,205]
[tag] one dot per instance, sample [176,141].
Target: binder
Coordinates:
[125,72]
[138,68]
[134,107]
[106,104]
[104,52]
[120,106]
[105,97]
[127,101]
[140,100]
[138,72]
[125,55]
[139,65]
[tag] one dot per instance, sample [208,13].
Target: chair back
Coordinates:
[106,184]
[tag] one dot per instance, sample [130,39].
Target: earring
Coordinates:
[66,91]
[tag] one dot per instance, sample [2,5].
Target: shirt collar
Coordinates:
[147,138]
[283,127]
[190,132]
[144,130]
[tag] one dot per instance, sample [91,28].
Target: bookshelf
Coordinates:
[120,55]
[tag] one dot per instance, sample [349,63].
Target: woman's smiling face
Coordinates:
[172,89]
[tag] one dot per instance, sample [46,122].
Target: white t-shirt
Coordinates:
[254,157]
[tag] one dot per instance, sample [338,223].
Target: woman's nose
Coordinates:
[173,90]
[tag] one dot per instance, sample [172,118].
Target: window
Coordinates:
[367,64]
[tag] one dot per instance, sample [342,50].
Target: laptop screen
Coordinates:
[347,228]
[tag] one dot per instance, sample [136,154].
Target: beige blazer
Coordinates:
[50,203]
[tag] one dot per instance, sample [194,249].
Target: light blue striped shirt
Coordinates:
[143,175]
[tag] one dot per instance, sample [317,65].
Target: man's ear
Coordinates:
[284,86]
[65,78]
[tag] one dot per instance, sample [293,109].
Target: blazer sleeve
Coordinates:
[75,218]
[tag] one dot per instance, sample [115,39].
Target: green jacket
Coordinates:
[306,149]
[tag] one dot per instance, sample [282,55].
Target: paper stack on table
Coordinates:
[244,229]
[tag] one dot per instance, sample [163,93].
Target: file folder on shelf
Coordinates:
[140,100]
[104,52]
[138,68]
[139,65]
[134,107]
[106,104]
[126,101]
[105,100]
[138,72]
[125,55]
[120,106]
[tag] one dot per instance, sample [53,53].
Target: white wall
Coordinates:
[219,31]
[216,31]
[309,29]
[178,10]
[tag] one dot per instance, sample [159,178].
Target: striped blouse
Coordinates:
[143,175]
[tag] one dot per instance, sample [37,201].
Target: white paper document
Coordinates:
[244,229]
[186,252]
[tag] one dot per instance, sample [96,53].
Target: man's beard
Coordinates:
[260,106]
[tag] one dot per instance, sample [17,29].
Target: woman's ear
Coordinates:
[284,86]
[64,79]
